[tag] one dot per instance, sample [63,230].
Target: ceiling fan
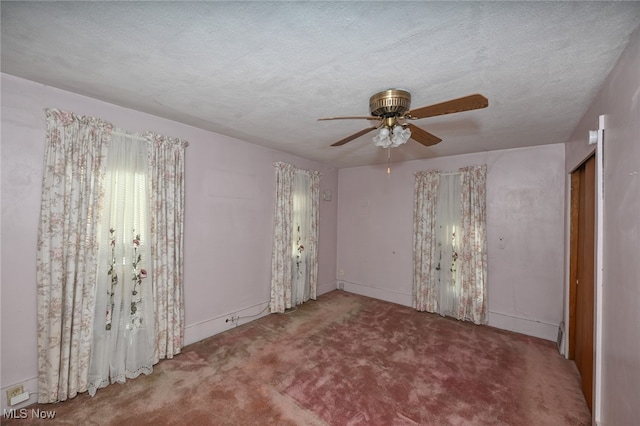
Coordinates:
[392,109]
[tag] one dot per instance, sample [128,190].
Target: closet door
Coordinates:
[582,273]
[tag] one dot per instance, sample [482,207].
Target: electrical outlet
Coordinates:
[233,319]
[14,391]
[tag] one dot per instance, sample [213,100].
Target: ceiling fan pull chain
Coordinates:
[389,161]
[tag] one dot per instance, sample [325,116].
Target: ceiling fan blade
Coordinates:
[422,136]
[354,136]
[466,103]
[350,118]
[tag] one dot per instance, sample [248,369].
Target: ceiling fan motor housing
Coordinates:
[390,103]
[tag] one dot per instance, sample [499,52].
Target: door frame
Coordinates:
[598,273]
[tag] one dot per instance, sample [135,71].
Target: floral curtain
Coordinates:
[473,293]
[69,262]
[314,228]
[425,260]
[450,255]
[281,260]
[166,171]
[67,251]
[294,260]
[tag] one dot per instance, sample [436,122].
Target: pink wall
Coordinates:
[229,212]
[228,230]
[525,207]
[619,100]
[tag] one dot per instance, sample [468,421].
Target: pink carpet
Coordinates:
[346,360]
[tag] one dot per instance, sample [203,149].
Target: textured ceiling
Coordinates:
[264,72]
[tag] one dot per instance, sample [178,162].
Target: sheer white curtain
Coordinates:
[300,240]
[294,260]
[123,328]
[450,265]
[448,225]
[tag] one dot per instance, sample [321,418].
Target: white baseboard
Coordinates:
[526,326]
[326,287]
[199,331]
[377,293]
[29,385]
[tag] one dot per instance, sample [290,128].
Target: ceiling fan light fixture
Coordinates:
[391,137]
[400,135]
[382,138]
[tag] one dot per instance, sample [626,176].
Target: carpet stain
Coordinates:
[345,359]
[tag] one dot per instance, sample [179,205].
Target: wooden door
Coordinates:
[582,273]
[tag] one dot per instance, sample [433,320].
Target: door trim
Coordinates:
[599,265]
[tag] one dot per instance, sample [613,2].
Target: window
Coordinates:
[294,259]
[301,229]
[123,341]
[448,222]
[450,245]
[83,343]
